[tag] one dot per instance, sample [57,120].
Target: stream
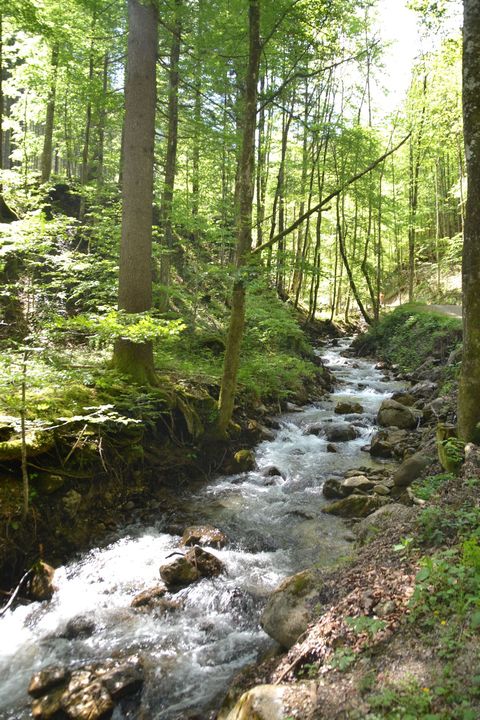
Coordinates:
[276,528]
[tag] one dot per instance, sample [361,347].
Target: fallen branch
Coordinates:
[15,592]
[320,207]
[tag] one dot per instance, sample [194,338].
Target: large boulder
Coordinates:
[394,414]
[394,513]
[186,569]
[204,535]
[425,389]
[411,469]
[332,489]
[37,442]
[345,407]
[244,460]
[355,506]
[288,612]
[391,443]
[357,483]
[149,596]
[403,397]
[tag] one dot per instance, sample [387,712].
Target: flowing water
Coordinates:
[276,528]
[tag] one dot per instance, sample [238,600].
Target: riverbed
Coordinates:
[275,526]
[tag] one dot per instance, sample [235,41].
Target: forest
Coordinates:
[240,311]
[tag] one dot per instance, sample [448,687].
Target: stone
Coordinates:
[355,506]
[271,471]
[7,427]
[148,597]
[332,489]
[123,680]
[48,707]
[37,442]
[260,431]
[275,702]
[357,482]
[89,703]
[41,586]
[344,407]
[395,414]
[331,448]
[192,566]
[80,626]
[48,484]
[425,389]
[381,489]
[288,612]
[314,429]
[72,502]
[179,573]
[204,535]
[244,460]
[368,528]
[404,398]
[411,469]
[50,677]
[341,433]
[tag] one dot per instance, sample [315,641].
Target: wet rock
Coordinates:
[355,506]
[404,398]
[48,707]
[292,408]
[331,448]
[204,535]
[341,433]
[287,612]
[80,626]
[368,528]
[44,681]
[72,502]
[411,469]
[260,431]
[344,407]
[395,414]
[356,483]
[332,489]
[244,460]
[122,681]
[41,586]
[148,597]
[195,564]
[271,471]
[88,703]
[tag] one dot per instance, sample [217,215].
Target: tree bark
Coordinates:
[170,160]
[135,277]
[46,162]
[244,223]
[469,390]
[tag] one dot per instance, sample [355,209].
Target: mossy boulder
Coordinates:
[288,612]
[355,506]
[37,443]
[204,535]
[186,569]
[49,483]
[411,469]
[345,407]
[394,414]
[244,460]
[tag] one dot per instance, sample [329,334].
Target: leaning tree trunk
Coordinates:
[469,391]
[135,278]
[244,223]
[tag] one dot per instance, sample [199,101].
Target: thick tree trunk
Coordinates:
[46,162]
[469,391]
[170,160]
[244,223]
[135,278]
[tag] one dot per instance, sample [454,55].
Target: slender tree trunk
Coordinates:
[244,223]
[135,278]
[46,162]
[170,160]
[84,172]
[102,120]
[415,164]
[469,391]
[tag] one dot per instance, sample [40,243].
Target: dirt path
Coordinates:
[450,310]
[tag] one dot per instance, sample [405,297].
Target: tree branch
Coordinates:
[325,201]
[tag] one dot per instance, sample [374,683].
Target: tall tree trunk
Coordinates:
[46,162]
[135,277]
[469,391]
[244,223]
[415,164]
[170,160]
[84,172]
